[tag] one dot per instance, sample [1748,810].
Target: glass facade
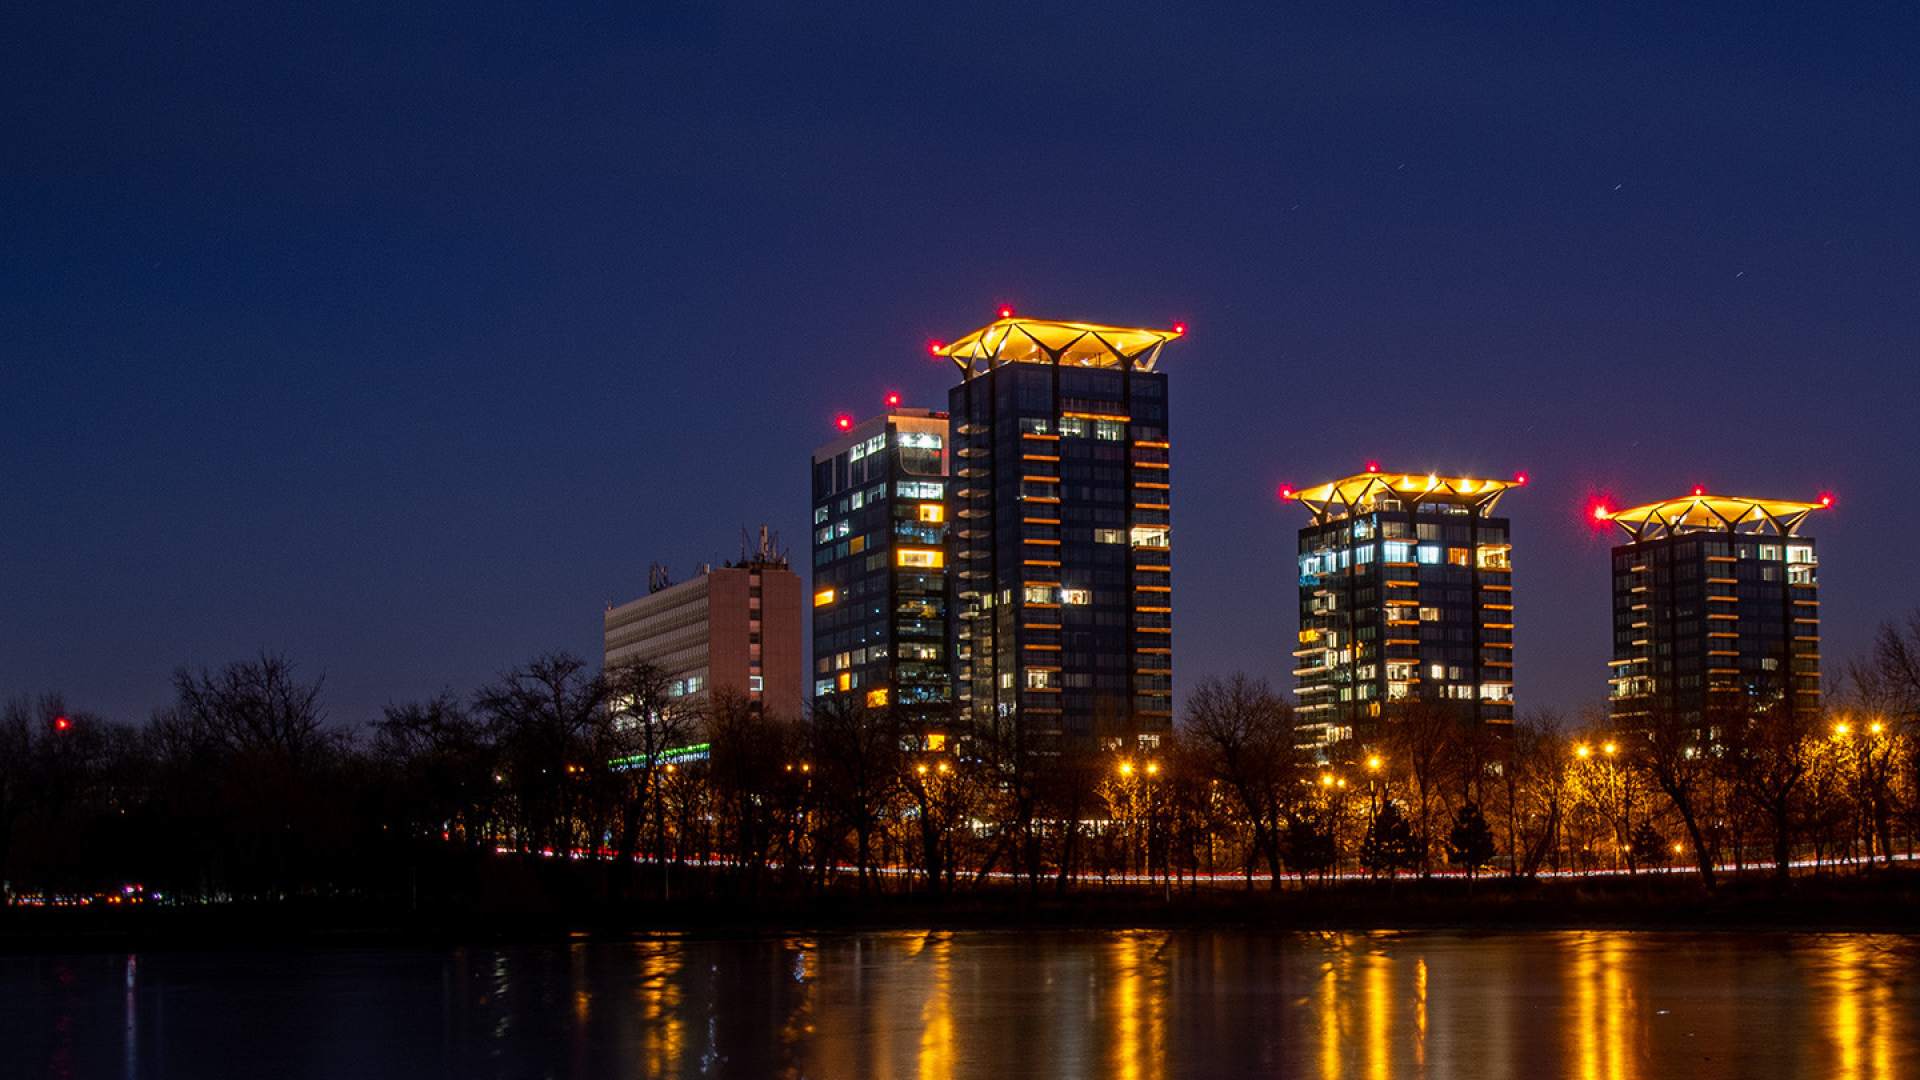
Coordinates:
[1714,620]
[880,568]
[1062,549]
[1406,595]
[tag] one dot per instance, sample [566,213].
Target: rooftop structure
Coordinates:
[1014,340]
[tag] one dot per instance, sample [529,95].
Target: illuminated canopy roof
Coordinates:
[1357,493]
[1701,512]
[1041,341]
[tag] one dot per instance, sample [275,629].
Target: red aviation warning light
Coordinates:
[1006,311]
[1699,490]
[1285,491]
[1179,328]
[1826,499]
[1601,512]
[1373,466]
[62,724]
[893,400]
[1520,478]
[843,422]
[934,347]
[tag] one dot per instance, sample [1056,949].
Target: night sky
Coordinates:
[403,341]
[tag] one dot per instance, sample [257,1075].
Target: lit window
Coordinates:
[920,489]
[1430,554]
[1076,596]
[846,681]
[1396,551]
[1149,536]
[877,697]
[1459,557]
[1072,426]
[1039,594]
[822,687]
[925,558]
[932,512]
[1110,430]
[920,440]
[819,515]
[1039,680]
[823,598]
[756,683]
[1438,671]
[936,741]
[1109,536]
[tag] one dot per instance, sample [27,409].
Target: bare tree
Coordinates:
[1243,731]
[1672,751]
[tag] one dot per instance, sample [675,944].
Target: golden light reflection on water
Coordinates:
[1138,1006]
[1369,1007]
[1606,1008]
[1864,1023]
[936,1012]
[662,1030]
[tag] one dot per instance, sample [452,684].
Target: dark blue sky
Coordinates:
[403,342]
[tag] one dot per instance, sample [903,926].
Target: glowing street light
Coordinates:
[1374,763]
[1153,768]
[1583,751]
[1610,749]
[1843,729]
[1126,768]
[1876,727]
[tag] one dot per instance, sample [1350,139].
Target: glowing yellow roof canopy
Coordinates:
[1701,512]
[1015,340]
[1360,491]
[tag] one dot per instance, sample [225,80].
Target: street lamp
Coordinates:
[1582,751]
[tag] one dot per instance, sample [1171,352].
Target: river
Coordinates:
[1132,1005]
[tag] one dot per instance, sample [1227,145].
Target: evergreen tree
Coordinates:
[1389,846]
[1470,844]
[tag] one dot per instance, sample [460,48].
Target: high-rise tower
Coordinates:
[879,567]
[1406,595]
[1061,517]
[1716,608]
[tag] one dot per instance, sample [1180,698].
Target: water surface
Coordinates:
[1139,1005]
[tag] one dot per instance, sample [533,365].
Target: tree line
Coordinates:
[241,788]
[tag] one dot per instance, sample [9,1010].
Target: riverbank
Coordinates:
[1881,900]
